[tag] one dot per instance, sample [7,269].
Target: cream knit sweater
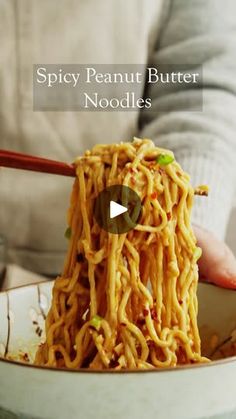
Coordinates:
[33,206]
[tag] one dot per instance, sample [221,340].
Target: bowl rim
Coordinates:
[186,367]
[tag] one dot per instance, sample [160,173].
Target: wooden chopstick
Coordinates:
[16,160]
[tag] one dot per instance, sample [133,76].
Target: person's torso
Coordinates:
[105,32]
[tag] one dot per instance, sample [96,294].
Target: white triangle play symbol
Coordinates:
[116,209]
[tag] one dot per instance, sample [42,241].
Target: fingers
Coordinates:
[217,264]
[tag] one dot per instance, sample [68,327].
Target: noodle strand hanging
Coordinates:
[127,300]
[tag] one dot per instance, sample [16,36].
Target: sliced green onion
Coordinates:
[197,253]
[96,322]
[67,233]
[164,159]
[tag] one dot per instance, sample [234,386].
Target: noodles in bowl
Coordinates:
[127,300]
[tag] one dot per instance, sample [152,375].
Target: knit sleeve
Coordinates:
[202,34]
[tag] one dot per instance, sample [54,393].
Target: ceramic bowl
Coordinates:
[29,392]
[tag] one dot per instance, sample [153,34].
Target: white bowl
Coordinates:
[30,392]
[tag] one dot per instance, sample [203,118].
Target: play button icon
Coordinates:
[117,209]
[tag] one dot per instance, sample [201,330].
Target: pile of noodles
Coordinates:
[127,300]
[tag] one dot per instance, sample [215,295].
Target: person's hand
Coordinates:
[217,264]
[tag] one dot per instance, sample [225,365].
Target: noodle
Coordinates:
[127,300]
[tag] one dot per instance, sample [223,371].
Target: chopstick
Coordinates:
[16,160]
